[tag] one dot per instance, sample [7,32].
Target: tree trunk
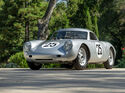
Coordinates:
[26,24]
[43,23]
[26,31]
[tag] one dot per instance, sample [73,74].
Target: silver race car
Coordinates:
[72,47]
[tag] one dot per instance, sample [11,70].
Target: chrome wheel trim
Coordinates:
[82,56]
[111,58]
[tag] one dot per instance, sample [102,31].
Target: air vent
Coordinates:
[58,55]
[43,59]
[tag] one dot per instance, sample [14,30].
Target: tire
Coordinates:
[69,66]
[81,60]
[34,66]
[110,62]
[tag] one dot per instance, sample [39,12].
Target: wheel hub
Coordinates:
[111,58]
[82,57]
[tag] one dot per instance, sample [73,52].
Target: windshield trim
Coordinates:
[52,37]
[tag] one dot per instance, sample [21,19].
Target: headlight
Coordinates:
[68,45]
[27,47]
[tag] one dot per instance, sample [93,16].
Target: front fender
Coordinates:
[36,43]
[76,45]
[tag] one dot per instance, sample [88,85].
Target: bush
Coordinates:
[2,65]
[11,65]
[95,66]
[121,62]
[17,60]
[52,65]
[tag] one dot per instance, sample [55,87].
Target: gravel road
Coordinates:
[17,80]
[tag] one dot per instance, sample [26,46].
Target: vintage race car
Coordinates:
[72,47]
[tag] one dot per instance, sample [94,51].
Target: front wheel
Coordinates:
[81,60]
[34,66]
[110,62]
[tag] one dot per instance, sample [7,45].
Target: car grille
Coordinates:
[43,59]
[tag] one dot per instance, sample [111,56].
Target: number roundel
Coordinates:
[99,50]
[50,45]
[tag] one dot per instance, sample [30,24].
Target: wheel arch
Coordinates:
[88,51]
[113,50]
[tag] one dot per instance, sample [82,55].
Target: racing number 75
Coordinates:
[99,49]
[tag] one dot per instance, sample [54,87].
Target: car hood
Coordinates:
[55,46]
[49,46]
[52,43]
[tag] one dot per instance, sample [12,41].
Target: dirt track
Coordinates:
[62,81]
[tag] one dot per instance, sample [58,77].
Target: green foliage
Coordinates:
[2,65]
[88,19]
[111,23]
[31,12]
[75,14]
[13,17]
[84,15]
[95,66]
[96,26]
[55,65]
[122,61]
[17,60]
[1,4]
[59,18]
[11,65]
[72,8]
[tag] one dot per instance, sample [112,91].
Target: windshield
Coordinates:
[69,35]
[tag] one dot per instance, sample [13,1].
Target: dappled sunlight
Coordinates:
[55,80]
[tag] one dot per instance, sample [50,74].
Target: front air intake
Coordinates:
[58,55]
[30,56]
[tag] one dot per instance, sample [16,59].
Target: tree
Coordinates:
[1,4]
[85,14]
[43,23]
[111,22]
[32,11]
[13,17]
[59,18]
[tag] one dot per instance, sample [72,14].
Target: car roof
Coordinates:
[75,29]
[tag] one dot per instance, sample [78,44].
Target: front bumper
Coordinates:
[49,58]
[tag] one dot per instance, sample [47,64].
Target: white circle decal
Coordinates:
[50,45]
[99,50]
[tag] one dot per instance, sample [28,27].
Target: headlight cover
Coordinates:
[27,47]
[68,45]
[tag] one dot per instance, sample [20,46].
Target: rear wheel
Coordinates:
[81,60]
[110,62]
[34,66]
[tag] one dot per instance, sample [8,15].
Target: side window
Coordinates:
[92,36]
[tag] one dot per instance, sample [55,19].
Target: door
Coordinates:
[98,48]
